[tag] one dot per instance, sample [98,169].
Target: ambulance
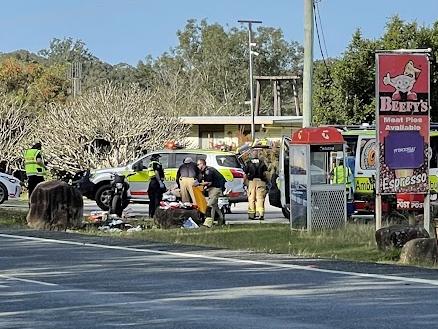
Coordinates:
[227,163]
[360,158]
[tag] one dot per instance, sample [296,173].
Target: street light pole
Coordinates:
[251,88]
[308,63]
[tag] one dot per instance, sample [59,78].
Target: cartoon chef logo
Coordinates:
[404,83]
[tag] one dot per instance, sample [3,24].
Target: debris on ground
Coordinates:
[189,223]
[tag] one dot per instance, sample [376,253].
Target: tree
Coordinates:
[15,130]
[211,64]
[345,87]
[106,127]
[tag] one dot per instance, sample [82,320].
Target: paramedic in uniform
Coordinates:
[255,172]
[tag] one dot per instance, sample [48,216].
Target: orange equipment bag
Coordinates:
[198,191]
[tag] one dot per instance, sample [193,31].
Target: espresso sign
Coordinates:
[402,94]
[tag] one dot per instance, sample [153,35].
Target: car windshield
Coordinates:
[227,161]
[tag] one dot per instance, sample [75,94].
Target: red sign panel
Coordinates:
[402,113]
[317,136]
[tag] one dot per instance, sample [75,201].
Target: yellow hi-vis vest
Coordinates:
[151,171]
[341,175]
[31,165]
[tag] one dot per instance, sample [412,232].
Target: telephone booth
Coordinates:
[318,191]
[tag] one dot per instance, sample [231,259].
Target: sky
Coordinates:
[126,31]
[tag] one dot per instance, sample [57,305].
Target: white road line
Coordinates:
[230,260]
[27,280]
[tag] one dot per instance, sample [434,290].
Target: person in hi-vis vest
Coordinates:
[341,174]
[34,166]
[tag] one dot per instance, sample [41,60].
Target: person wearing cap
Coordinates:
[187,177]
[255,171]
[34,166]
[156,185]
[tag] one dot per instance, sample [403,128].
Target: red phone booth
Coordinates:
[318,191]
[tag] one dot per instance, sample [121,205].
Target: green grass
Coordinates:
[12,218]
[354,242]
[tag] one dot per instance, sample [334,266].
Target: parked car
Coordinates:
[226,162]
[10,187]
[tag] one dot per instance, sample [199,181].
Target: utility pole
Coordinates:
[75,74]
[251,88]
[308,63]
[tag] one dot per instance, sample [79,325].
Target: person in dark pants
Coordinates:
[214,184]
[156,186]
[34,166]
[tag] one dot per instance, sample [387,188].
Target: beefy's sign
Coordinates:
[403,122]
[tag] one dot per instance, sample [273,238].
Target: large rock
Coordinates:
[174,218]
[397,235]
[423,250]
[55,205]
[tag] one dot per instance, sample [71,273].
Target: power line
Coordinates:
[319,43]
[322,28]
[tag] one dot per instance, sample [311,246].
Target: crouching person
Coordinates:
[214,183]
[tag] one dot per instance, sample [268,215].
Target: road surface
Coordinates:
[63,280]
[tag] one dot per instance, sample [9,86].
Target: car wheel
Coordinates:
[3,193]
[286,211]
[103,197]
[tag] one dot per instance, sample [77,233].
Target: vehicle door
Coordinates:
[282,181]
[139,182]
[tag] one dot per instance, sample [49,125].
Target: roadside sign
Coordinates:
[402,116]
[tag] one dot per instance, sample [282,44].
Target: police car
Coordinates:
[227,163]
[10,187]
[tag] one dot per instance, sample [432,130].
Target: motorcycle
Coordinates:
[119,194]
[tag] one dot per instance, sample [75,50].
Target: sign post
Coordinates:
[403,124]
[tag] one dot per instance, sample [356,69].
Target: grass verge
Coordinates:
[354,242]
[12,218]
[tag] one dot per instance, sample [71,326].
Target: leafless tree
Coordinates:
[107,126]
[16,125]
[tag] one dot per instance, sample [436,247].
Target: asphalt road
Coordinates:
[63,280]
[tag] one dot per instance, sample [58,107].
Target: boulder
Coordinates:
[422,250]
[397,235]
[55,205]
[174,217]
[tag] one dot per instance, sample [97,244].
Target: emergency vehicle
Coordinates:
[361,159]
[227,163]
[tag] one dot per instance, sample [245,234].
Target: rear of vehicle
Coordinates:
[365,172]
[433,171]
[229,166]
[10,187]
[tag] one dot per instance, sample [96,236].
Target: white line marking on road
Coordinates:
[230,260]
[27,280]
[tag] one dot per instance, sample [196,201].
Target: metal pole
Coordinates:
[308,63]
[251,87]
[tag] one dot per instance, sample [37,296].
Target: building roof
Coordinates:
[244,120]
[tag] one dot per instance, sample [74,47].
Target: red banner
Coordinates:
[402,117]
